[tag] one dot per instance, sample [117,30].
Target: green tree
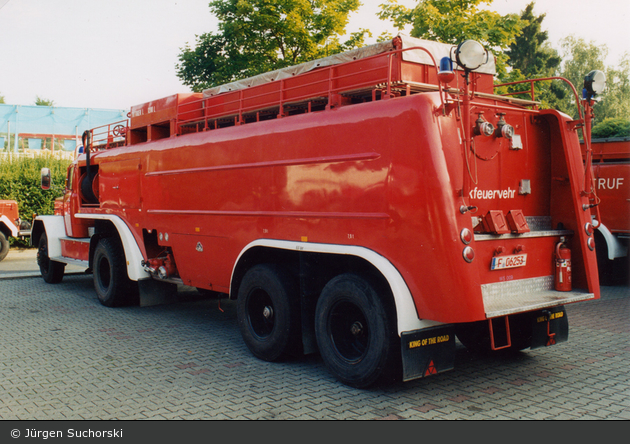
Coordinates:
[531,56]
[1,99]
[579,58]
[455,21]
[43,102]
[611,127]
[530,52]
[257,36]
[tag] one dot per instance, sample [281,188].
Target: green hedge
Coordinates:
[20,179]
[610,128]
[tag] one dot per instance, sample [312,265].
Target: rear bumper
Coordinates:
[517,296]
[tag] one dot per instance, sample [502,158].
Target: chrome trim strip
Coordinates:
[531,234]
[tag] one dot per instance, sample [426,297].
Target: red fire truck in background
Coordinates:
[11,225]
[369,206]
[611,171]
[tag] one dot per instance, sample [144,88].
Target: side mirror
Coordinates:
[46,179]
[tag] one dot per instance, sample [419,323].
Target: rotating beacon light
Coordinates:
[445,73]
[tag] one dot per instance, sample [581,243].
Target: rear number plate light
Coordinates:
[513,261]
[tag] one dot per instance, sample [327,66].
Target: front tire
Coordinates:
[268,312]
[4,246]
[113,286]
[354,332]
[51,271]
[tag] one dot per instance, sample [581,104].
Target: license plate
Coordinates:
[513,261]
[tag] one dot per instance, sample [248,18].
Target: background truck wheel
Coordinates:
[354,332]
[4,246]
[268,312]
[112,285]
[51,271]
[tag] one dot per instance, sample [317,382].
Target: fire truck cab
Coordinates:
[10,225]
[369,206]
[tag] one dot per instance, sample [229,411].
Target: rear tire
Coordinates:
[4,246]
[111,282]
[354,333]
[268,312]
[51,271]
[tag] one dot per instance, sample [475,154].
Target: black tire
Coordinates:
[4,246]
[51,271]
[268,312]
[111,282]
[355,332]
[475,336]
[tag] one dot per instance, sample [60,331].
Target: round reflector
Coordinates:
[588,227]
[466,236]
[469,254]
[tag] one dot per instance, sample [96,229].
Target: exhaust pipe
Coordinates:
[86,183]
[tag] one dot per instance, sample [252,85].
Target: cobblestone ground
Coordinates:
[64,356]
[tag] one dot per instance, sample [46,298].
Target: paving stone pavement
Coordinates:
[64,356]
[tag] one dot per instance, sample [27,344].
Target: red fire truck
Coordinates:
[369,206]
[611,170]
[11,225]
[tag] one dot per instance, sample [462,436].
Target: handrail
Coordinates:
[585,115]
[532,92]
[202,104]
[114,135]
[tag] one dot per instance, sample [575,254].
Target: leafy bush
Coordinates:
[614,127]
[20,181]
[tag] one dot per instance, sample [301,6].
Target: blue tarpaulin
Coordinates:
[53,120]
[34,144]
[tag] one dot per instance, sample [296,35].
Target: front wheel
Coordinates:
[51,271]
[113,286]
[354,332]
[4,246]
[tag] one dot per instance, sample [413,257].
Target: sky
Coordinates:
[114,54]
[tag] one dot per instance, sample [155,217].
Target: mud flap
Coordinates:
[428,351]
[153,292]
[551,326]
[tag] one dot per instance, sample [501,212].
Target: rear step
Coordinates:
[505,298]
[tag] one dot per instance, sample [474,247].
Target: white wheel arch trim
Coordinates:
[615,248]
[10,225]
[133,255]
[405,309]
[55,230]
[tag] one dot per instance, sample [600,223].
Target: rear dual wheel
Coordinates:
[355,334]
[268,312]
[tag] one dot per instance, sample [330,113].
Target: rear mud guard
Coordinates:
[428,351]
[551,326]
